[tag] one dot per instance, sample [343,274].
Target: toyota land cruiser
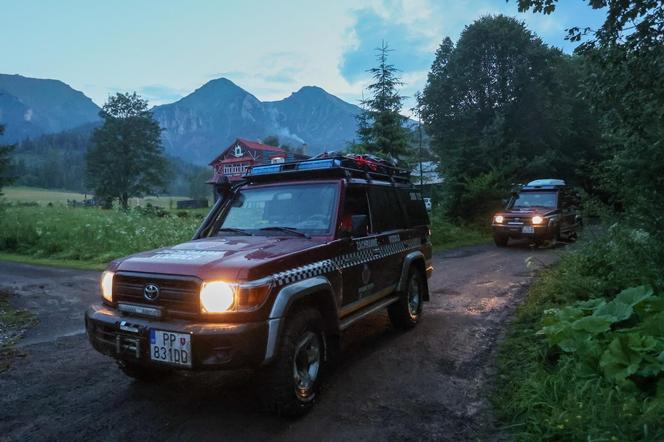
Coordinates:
[283,263]
[545,209]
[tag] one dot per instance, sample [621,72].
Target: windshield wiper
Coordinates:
[234,230]
[286,229]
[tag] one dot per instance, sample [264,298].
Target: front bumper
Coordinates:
[213,345]
[540,232]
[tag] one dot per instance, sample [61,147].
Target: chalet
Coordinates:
[234,161]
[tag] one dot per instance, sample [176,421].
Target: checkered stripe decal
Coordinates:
[304,272]
[343,262]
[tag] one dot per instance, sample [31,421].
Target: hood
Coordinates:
[532,211]
[231,258]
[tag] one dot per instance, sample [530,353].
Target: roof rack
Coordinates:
[549,183]
[326,165]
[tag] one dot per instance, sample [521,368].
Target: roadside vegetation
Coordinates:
[585,356]
[13,323]
[89,236]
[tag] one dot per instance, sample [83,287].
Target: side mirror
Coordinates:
[360,225]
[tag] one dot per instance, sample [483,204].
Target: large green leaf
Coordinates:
[617,311]
[593,324]
[619,360]
[634,295]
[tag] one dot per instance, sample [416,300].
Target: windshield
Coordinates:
[293,209]
[534,199]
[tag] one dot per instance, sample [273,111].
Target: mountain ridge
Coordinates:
[196,127]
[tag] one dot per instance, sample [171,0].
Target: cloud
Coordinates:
[410,47]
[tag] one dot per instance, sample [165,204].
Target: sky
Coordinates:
[165,49]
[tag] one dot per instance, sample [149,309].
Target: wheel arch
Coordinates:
[417,260]
[316,292]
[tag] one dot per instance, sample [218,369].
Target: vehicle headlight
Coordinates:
[537,219]
[499,219]
[216,297]
[107,285]
[221,296]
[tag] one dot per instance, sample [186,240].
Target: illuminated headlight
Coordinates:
[537,219]
[221,297]
[107,286]
[216,297]
[499,219]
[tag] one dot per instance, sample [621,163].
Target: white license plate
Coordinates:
[528,229]
[170,347]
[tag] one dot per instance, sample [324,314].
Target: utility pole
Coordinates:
[417,109]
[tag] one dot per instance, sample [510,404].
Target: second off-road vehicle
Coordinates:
[545,209]
[284,262]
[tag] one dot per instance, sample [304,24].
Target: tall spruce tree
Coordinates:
[5,178]
[381,127]
[126,158]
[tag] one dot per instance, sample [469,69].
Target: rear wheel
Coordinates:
[406,312]
[292,381]
[501,240]
[143,373]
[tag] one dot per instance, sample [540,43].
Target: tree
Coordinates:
[627,88]
[500,108]
[5,177]
[126,157]
[381,127]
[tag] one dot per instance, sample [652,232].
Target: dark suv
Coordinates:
[542,210]
[283,263]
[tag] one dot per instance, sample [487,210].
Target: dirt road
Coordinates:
[427,384]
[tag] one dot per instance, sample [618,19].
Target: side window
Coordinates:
[412,200]
[386,212]
[355,203]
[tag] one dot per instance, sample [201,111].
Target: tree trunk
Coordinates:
[124,200]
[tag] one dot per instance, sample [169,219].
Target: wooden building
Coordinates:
[234,161]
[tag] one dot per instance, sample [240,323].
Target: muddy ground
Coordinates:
[431,383]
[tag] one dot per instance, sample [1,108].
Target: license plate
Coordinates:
[170,347]
[528,229]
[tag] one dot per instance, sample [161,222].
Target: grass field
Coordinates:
[21,194]
[89,236]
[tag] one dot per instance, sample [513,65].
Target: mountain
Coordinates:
[30,107]
[200,125]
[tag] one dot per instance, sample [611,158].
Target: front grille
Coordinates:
[518,220]
[177,294]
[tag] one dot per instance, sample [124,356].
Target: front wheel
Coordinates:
[406,312]
[292,380]
[501,240]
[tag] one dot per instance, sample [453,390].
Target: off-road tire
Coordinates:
[279,389]
[403,314]
[501,240]
[142,373]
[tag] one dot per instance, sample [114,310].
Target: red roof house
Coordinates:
[234,161]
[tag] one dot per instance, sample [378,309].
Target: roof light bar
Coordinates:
[264,170]
[318,164]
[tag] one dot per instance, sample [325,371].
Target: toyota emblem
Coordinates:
[151,292]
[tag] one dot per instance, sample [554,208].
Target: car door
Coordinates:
[388,221]
[355,262]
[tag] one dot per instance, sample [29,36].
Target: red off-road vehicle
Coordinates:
[283,263]
[542,210]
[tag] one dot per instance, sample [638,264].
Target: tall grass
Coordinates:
[545,394]
[89,234]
